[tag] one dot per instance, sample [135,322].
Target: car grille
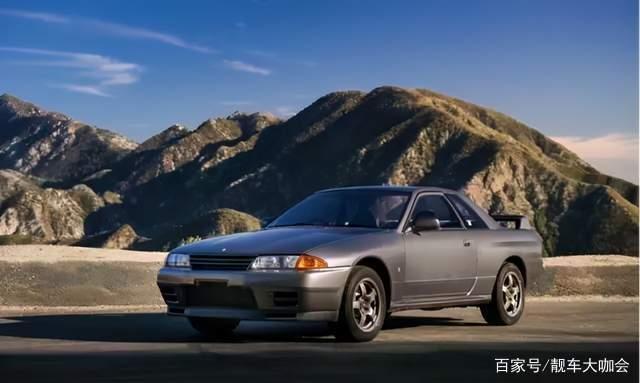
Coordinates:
[220,262]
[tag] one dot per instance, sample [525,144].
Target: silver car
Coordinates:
[351,257]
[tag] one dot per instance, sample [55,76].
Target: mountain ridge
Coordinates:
[52,145]
[257,164]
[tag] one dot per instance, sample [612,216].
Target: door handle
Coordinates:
[466,243]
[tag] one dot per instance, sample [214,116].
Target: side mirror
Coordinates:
[425,221]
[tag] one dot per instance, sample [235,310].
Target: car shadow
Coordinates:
[404,321]
[160,328]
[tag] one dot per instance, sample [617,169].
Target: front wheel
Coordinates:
[364,306]
[507,300]
[213,328]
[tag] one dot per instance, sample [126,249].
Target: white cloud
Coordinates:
[285,111]
[610,146]
[104,71]
[615,153]
[40,16]
[144,34]
[109,28]
[86,89]
[246,67]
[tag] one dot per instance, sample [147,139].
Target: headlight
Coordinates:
[177,260]
[288,262]
[275,262]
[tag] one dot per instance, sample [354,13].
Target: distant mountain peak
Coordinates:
[251,123]
[21,108]
[164,138]
[52,145]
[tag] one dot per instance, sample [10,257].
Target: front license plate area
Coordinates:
[218,294]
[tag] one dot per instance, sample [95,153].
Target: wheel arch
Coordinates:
[381,269]
[519,263]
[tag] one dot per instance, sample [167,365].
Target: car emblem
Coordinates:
[224,249]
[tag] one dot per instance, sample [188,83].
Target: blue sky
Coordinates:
[567,68]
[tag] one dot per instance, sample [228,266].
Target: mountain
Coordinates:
[53,146]
[417,137]
[257,164]
[29,211]
[202,225]
[124,237]
[215,140]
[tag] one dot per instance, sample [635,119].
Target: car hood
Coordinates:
[283,240]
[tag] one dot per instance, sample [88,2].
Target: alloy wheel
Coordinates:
[511,294]
[366,304]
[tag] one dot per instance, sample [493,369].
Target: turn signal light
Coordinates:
[308,262]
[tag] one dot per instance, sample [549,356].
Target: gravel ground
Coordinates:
[592,260]
[52,253]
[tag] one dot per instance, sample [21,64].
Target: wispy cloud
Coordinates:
[614,153]
[610,146]
[280,59]
[285,111]
[246,67]
[40,16]
[103,71]
[143,34]
[110,28]
[86,89]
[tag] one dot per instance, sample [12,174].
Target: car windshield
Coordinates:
[380,209]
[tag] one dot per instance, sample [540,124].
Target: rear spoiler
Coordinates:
[519,221]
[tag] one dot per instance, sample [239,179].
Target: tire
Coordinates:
[353,324]
[213,328]
[503,309]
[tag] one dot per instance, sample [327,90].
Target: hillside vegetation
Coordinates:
[258,165]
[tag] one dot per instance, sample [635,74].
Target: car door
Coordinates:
[438,263]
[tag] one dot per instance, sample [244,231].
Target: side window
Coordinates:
[440,207]
[469,216]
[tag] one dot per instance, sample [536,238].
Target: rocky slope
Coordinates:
[199,226]
[29,211]
[124,237]
[260,165]
[52,145]
[215,140]
[416,137]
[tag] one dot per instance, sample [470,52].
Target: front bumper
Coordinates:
[254,295]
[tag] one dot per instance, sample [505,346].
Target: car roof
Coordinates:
[398,188]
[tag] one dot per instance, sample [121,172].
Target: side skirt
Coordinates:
[441,303]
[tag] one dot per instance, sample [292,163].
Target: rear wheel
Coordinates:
[364,306]
[507,300]
[213,328]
